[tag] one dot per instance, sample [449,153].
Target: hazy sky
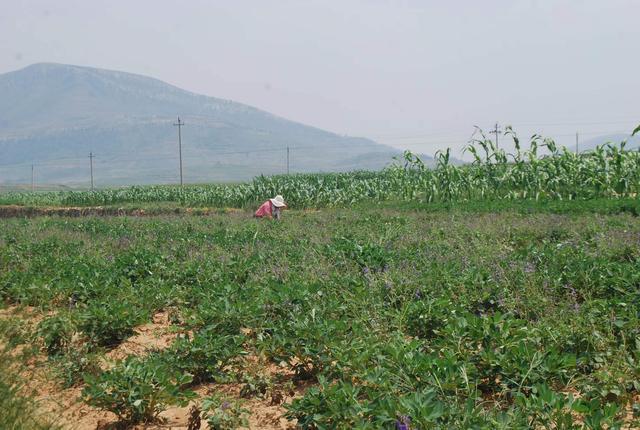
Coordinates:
[415,74]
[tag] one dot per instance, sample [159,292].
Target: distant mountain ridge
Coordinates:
[55,114]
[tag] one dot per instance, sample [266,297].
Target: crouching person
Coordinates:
[271,208]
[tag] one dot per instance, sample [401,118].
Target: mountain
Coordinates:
[632,142]
[54,115]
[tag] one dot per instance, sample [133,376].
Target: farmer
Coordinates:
[271,208]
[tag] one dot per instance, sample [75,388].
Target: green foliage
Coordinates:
[204,356]
[224,414]
[255,386]
[107,323]
[486,314]
[136,390]
[343,405]
[76,364]
[556,410]
[369,256]
[57,332]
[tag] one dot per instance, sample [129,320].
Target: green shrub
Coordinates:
[57,332]
[110,322]
[204,356]
[137,390]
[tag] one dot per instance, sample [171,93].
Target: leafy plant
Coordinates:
[57,332]
[255,385]
[75,365]
[204,356]
[136,390]
[223,414]
[107,323]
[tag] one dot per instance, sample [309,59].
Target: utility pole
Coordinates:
[576,143]
[287,160]
[179,124]
[33,182]
[91,165]
[496,131]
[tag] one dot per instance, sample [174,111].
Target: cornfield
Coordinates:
[541,171]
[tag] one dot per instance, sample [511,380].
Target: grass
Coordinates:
[484,314]
[599,206]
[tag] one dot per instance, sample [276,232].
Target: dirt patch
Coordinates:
[630,419]
[154,336]
[263,413]
[14,211]
[28,314]
[66,409]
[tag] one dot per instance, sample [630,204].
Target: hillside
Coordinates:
[54,115]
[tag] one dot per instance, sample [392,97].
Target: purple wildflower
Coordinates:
[225,405]
[365,270]
[402,423]
[418,294]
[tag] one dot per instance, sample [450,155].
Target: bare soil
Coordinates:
[154,336]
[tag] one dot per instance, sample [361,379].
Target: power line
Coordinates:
[440,142]
[428,134]
[71,163]
[120,157]
[44,163]
[53,162]
[572,123]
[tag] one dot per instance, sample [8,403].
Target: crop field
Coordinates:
[540,171]
[504,294]
[393,316]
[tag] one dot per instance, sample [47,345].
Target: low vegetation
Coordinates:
[491,314]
